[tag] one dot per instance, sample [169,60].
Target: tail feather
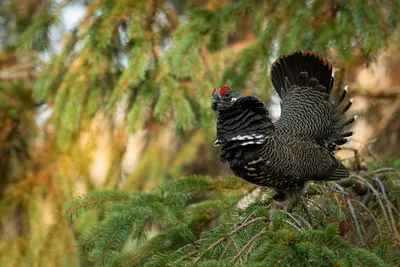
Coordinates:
[338,137]
[340,141]
[311,70]
[348,105]
[347,134]
[297,67]
[350,121]
[343,95]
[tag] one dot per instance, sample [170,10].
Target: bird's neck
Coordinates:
[246,122]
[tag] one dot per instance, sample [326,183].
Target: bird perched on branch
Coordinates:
[297,148]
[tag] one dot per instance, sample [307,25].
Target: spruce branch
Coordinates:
[319,207]
[248,244]
[222,239]
[353,216]
[225,250]
[293,225]
[236,247]
[370,214]
[356,223]
[86,246]
[379,199]
[94,199]
[380,170]
[386,200]
[305,222]
[299,226]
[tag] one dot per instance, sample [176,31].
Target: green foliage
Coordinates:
[122,54]
[164,224]
[151,65]
[95,199]
[175,209]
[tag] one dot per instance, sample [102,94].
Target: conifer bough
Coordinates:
[300,146]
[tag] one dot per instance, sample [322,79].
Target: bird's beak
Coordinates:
[214,104]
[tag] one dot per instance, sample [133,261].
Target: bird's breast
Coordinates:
[250,164]
[267,165]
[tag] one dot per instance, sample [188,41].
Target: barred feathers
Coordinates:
[298,67]
[304,82]
[298,147]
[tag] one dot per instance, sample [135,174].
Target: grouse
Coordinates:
[297,148]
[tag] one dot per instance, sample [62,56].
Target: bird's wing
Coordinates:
[304,82]
[308,161]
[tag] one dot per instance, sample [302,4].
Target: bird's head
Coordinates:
[223,98]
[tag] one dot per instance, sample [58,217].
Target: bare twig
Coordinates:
[394,208]
[385,170]
[309,226]
[245,220]
[343,192]
[293,218]
[384,192]
[363,230]
[293,225]
[353,216]
[379,199]
[356,223]
[387,205]
[370,214]
[248,217]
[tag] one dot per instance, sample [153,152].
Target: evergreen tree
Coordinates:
[154,63]
[165,226]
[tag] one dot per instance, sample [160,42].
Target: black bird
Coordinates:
[297,148]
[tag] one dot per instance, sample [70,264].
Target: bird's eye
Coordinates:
[227,94]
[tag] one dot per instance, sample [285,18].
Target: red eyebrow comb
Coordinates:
[224,90]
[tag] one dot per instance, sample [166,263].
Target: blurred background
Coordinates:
[116,95]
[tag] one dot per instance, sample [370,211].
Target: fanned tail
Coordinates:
[301,68]
[338,136]
[309,69]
